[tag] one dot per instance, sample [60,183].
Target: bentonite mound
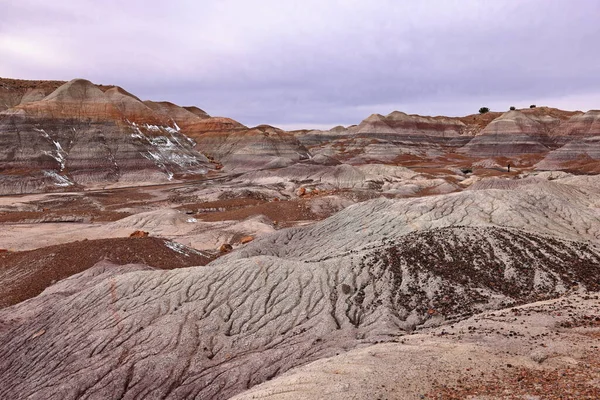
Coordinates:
[400,123]
[80,135]
[579,126]
[248,149]
[542,350]
[580,150]
[512,134]
[212,332]
[388,138]
[567,211]
[182,116]
[26,274]
[580,154]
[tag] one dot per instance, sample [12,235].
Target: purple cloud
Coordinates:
[303,63]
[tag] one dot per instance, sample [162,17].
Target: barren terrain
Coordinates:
[149,250]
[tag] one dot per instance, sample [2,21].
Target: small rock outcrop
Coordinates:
[246,239]
[225,248]
[139,234]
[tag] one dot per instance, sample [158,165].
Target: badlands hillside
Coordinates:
[152,251]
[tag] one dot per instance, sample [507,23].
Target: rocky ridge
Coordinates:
[80,135]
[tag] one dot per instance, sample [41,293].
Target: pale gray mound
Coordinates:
[504,183]
[506,345]
[372,177]
[322,159]
[77,90]
[549,208]
[212,332]
[279,162]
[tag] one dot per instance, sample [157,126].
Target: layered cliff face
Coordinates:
[580,154]
[77,134]
[393,138]
[522,132]
[239,148]
[511,134]
[525,135]
[401,124]
[57,135]
[580,125]
[579,141]
[81,135]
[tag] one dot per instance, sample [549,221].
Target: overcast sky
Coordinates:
[315,63]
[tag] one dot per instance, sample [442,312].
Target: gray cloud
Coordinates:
[312,62]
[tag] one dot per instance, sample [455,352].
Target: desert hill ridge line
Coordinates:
[26,89]
[81,135]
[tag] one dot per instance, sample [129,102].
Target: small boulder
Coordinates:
[139,234]
[246,239]
[301,191]
[225,248]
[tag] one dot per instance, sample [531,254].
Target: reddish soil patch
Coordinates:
[521,161]
[38,269]
[26,217]
[120,197]
[553,112]
[139,234]
[480,120]
[281,211]
[21,85]
[577,382]
[89,207]
[448,160]
[221,205]
[582,167]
